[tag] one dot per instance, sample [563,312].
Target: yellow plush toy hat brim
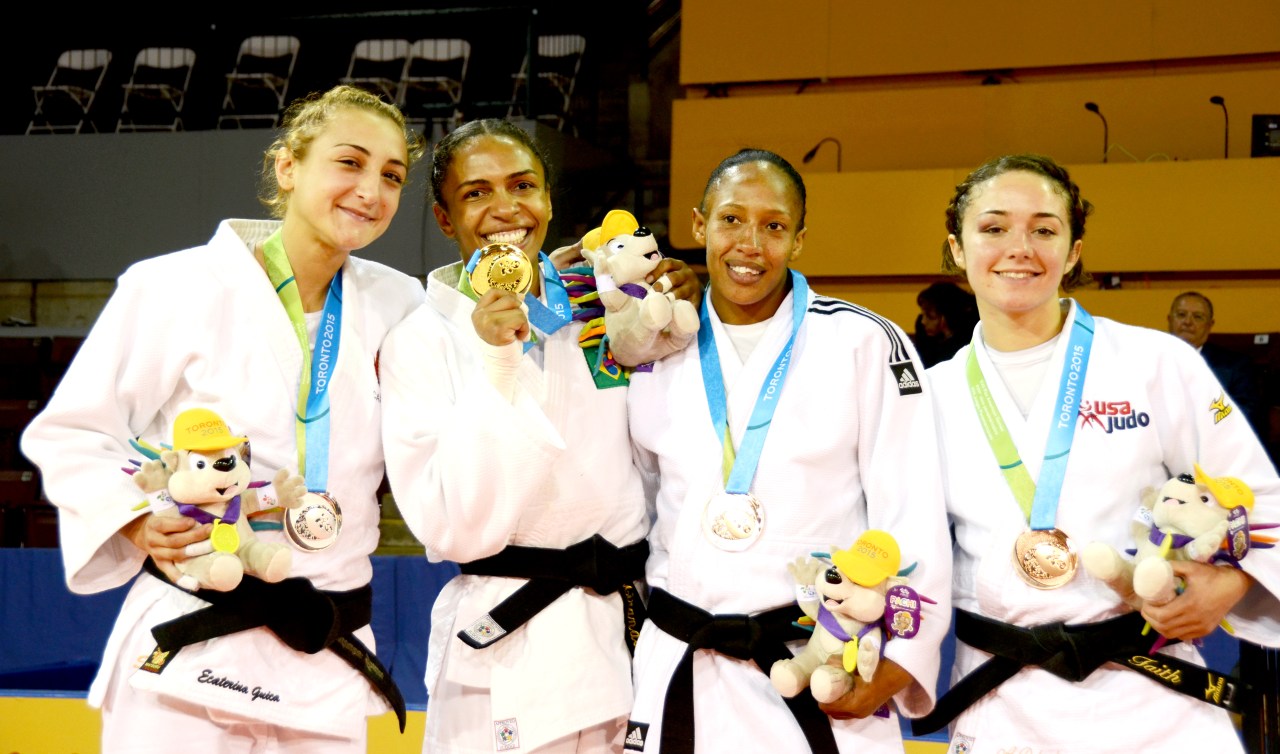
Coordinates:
[1229,491]
[202,429]
[617,222]
[872,559]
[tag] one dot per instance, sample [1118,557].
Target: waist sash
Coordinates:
[303,617]
[1073,652]
[760,637]
[593,563]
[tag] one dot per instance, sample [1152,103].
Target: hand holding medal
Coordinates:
[501,275]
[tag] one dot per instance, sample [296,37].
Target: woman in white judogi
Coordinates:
[1104,410]
[207,327]
[848,448]
[495,449]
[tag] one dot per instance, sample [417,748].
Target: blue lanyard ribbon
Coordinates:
[312,415]
[1038,500]
[740,466]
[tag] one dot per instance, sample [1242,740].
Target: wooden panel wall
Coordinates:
[761,40]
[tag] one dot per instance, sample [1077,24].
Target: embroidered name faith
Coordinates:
[1159,670]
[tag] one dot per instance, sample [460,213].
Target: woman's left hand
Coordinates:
[1209,593]
[867,697]
[680,280]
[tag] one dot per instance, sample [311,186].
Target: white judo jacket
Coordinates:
[1146,415]
[473,472]
[204,327]
[851,447]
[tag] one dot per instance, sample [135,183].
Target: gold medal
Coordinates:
[1044,558]
[733,521]
[314,523]
[503,266]
[224,536]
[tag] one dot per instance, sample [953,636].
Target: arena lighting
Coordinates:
[808,156]
[1226,132]
[1093,108]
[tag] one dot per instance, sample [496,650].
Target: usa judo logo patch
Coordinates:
[1112,416]
[905,373]
[636,733]
[506,736]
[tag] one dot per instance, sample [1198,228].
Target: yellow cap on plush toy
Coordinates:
[1229,491]
[201,429]
[616,222]
[872,559]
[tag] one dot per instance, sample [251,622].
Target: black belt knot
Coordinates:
[738,636]
[306,619]
[1071,652]
[594,563]
[759,637]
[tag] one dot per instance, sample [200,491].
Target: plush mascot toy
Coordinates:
[205,475]
[643,322]
[1200,518]
[856,601]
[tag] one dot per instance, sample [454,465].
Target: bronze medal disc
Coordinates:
[1044,558]
[733,521]
[502,266]
[315,523]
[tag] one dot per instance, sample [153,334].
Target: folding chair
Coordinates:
[379,66]
[157,90]
[62,104]
[259,83]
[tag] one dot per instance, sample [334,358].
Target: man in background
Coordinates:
[1191,318]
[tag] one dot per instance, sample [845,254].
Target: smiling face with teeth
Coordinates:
[495,190]
[1015,248]
[751,222]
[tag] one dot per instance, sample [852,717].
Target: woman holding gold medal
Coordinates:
[508,456]
[274,326]
[1033,474]
[797,423]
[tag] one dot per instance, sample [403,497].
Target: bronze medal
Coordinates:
[503,266]
[733,521]
[1044,558]
[315,522]
[224,537]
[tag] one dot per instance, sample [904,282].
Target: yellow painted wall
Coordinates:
[70,726]
[762,40]
[1152,119]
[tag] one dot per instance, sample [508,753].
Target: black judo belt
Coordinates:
[761,637]
[594,563]
[305,618]
[1073,652]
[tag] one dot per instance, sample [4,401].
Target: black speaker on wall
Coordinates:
[1266,136]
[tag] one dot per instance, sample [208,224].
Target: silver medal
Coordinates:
[733,521]
[315,523]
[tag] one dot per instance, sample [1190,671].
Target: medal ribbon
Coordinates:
[312,414]
[545,317]
[231,515]
[1038,500]
[740,468]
